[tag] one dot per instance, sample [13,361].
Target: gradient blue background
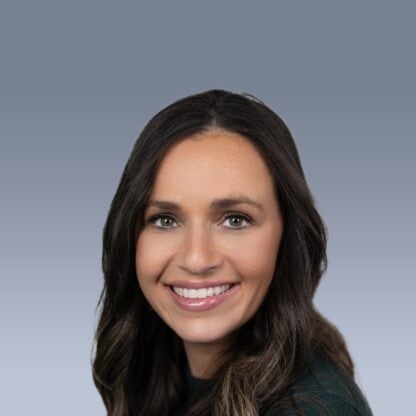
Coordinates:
[78,82]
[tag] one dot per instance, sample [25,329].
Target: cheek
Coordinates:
[256,257]
[148,260]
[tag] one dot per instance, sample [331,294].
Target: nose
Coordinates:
[198,254]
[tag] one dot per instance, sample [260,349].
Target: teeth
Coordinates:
[200,293]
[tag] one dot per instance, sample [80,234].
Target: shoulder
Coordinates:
[322,388]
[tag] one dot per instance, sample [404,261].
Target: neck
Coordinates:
[204,359]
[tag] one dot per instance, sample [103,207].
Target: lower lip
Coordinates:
[205,304]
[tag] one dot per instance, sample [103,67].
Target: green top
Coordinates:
[322,388]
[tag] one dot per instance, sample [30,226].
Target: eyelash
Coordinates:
[151,220]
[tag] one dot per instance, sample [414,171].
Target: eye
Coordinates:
[239,217]
[166,219]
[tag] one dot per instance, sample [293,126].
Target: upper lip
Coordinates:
[199,284]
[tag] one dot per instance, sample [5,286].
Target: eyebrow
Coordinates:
[219,203]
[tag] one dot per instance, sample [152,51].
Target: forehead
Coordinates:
[211,164]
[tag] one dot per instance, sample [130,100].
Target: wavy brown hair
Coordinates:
[139,361]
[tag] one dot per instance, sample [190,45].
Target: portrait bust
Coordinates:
[212,252]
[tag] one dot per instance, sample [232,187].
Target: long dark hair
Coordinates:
[139,361]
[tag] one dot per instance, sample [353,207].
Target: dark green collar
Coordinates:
[195,386]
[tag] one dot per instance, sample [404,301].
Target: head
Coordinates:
[197,237]
[207,147]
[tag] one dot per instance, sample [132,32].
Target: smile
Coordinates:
[200,293]
[203,298]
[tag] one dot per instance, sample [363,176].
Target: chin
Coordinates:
[202,336]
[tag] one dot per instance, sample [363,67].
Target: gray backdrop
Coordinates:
[78,81]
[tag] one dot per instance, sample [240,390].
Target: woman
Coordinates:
[212,252]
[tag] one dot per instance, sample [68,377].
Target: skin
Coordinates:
[198,243]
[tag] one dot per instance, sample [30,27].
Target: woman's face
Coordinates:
[217,254]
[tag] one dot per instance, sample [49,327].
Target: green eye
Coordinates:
[240,218]
[167,220]
[163,219]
